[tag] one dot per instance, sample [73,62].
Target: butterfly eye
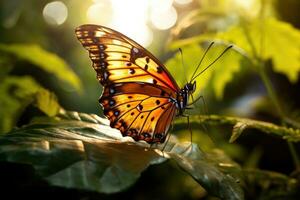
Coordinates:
[190,87]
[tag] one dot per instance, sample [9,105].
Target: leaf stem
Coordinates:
[289,134]
[294,155]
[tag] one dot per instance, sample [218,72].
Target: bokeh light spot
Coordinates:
[160,5]
[183,2]
[100,12]
[55,13]
[164,20]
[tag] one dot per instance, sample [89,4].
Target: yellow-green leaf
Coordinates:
[269,39]
[17,93]
[47,102]
[192,55]
[218,76]
[45,60]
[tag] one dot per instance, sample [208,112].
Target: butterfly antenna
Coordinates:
[182,63]
[229,47]
[207,49]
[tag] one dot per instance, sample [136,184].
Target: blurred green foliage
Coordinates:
[17,92]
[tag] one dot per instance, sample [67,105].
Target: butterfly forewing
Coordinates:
[116,58]
[137,87]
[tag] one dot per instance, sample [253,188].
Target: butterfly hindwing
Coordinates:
[143,111]
[137,87]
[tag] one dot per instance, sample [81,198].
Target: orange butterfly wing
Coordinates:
[137,87]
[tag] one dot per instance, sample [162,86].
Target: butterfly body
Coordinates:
[140,97]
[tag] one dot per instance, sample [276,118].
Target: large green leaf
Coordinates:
[265,39]
[209,170]
[81,151]
[45,60]
[17,93]
[269,39]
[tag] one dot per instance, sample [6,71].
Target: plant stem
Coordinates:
[270,89]
[266,127]
[294,155]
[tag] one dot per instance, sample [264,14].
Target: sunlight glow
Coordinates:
[183,2]
[100,12]
[246,4]
[55,13]
[132,17]
[248,7]
[160,5]
[164,20]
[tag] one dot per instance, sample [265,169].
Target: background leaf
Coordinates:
[215,172]
[281,43]
[17,93]
[217,76]
[45,60]
[47,102]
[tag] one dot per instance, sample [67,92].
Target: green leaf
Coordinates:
[17,93]
[237,131]
[271,185]
[269,39]
[224,71]
[218,76]
[192,55]
[214,171]
[262,38]
[47,102]
[284,51]
[81,151]
[45,60]
[5,67]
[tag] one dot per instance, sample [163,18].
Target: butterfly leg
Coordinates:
[168,137]
[190,130]
[195,100]
[205,110]
[167,140]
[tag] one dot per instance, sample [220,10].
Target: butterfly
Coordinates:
[140,97]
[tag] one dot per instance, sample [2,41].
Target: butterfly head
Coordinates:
[190,87]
